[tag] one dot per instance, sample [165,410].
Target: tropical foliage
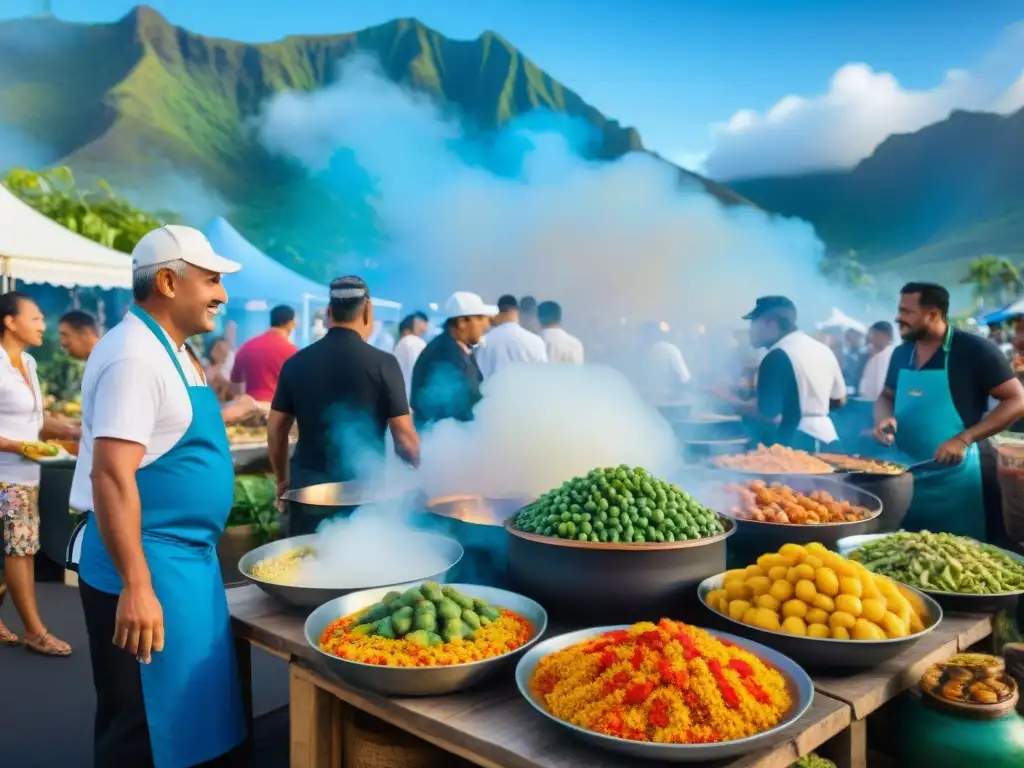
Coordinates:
[844,269]
[996,280]
[99,214]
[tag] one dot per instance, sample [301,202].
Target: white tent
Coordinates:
[838,319]
[36,249]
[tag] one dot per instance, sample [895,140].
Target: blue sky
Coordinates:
[670,68]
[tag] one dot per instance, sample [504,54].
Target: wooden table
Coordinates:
[491,727]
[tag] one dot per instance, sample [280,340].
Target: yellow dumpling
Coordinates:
[816,616]
[750,617]
[782,591]
[818,630]
[869,589]
[795,608]
[873,609]
[794,625]
[849,604]
[840,633]
[798,572]
[767,601]
[717,599]
[739,575]
[865,630]
[824,602]
[737,590]
[758,585]
[816,548]
[850,585]
[843,567]
[894,626]
[766,619]
[806,591]
[814,562]
[916,625]
[737,609]
[793,550]
[826,581]
[778,573]
[753,570]
[841,619]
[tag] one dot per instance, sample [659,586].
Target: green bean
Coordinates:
[942,562]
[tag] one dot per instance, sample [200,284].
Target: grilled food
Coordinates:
[778,503]
[777,460]
[858,464]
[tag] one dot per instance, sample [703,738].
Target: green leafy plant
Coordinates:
[255,504]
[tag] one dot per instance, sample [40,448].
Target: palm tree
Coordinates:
[996,280]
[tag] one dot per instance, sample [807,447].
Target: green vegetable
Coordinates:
[813,761]
[385,628]
[489,613]
[458,598]
[390,597]
[435,639]
[470,619]
[401,620]
[452,629]
[411,596]
[375,613]
[364,629]
[432,591]
[420,637]
[425,620]
[619,504]
[449,609]
[942,562]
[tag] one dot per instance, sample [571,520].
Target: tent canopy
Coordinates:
[1010,311]
[838,319]
[36,249]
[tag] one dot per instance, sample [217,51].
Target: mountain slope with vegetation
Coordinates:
[140,97]
[940,197]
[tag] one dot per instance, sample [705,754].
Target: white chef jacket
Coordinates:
[663,370]
[407,352]
[506,344]
[562,347]
[872,381]
[21,417]
[819,379]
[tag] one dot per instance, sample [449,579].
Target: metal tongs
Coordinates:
[924,467]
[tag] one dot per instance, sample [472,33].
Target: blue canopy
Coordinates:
[1016,309]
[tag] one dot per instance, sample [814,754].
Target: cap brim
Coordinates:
[215,263]
[490,310]
[752,315]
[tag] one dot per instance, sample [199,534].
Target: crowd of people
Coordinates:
[153,421]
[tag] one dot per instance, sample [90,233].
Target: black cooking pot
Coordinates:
[605,582]
[308,507]
[477,523]
[895,491]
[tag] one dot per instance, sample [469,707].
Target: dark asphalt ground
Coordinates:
[47,704]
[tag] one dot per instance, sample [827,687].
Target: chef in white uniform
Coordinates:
[562,346]
[508,342]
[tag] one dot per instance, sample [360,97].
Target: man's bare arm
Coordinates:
[1008,411]
[117,507]
[884,405]
[407,442]
[279,426]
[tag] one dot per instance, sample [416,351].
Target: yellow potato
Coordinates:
[750,616]
[806,591]
[849,604]
[826,581]
[814,562]
[782,591]
[865,630]
[843,567]
[758,585]
[769,561]
[917,605]
[894,625]
[778,573]
[717,599]
[739,575]
[869,589]
[794,625]
[794,608]
[824,602]
[840,633]
[916,625]
[816,548]
[816,616]
[737,590]
[873,609]
[850,585]
[793,550]
[766,619]
[841,619]
[818,630]
[799,572]
[753,570]
[767,601]
[737,609]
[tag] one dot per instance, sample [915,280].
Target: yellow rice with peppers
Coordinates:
[668,683]
[282,569]
[509,632]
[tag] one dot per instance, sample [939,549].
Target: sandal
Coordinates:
[7,637]
[47,645]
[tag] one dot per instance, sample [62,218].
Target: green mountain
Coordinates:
[937,198]
[140,97]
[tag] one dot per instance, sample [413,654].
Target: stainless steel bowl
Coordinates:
[310,597]
[823,653]
[421,681]
[800,688]
[952,601]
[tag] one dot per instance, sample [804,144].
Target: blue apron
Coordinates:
[191,689]
[948,500]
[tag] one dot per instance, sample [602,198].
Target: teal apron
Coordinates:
[948,500]
[191,689]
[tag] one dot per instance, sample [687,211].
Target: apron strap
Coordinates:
[74,549]
[161,336]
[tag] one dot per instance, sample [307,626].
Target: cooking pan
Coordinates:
[308,507]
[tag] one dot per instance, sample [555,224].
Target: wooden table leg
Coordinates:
[315,716]
[849,749]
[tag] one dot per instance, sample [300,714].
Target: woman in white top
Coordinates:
[23,421]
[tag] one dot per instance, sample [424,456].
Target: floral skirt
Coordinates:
[19,511]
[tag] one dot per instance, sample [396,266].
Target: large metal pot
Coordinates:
[477,523]
[308,507]
[605,581]
[895,492]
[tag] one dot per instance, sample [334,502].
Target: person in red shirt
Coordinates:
[259,360]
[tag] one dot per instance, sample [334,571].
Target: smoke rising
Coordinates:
[524,211]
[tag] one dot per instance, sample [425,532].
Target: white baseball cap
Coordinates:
[465,304]
[173,242]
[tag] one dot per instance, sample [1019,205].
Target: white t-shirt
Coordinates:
[131,391]
[872,381]
[562,347]
[664,369]
[407,352]
[506,344]
[21,417]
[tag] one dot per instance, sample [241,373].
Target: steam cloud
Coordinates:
[523,212]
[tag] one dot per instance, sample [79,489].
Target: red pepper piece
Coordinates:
[606,660]
[659,716]
[742,667]
[617,635]
[729,695]
[761,696]
[638,693]
[638,657]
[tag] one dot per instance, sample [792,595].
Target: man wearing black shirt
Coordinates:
[934,406]
[344,394]
[446,379]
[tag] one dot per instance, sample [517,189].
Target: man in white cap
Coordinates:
[446,379]
[155,480]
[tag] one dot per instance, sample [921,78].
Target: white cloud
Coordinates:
[860,109]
